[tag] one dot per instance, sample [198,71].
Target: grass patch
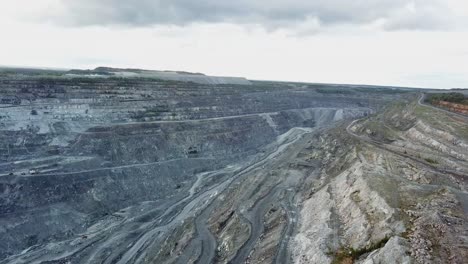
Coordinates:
[432,161]
[380,132]
[349,255]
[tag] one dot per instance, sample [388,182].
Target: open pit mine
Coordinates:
[132,166]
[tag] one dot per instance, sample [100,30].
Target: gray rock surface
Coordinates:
[394,251]
[135,169]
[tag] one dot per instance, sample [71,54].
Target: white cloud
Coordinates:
[272,14]
[307,51]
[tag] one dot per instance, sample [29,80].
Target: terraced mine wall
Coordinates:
[77,151]
[394,191]
[458,108]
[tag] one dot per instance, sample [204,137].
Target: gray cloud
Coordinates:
[394,14]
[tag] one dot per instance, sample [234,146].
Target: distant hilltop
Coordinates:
[165,75]
[110,70]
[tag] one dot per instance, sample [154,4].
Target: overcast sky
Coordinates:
[421,43]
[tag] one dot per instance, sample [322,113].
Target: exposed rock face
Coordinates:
[135,170]
[395,251]
[350,211]
[395,194]
[94,147]
[458,108]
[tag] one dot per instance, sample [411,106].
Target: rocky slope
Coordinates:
[143,170]
[459,108]
[395,194]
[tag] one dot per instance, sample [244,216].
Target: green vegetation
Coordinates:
[458,98]
[8,72]
[381,90]
[334,91]
[345,90]
[380,131]
[432,161]
[349,255]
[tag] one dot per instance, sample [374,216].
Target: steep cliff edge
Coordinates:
[392,191]
[114,169]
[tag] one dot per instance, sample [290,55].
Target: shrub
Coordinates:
[432,161]
[447,97]
[349,255]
